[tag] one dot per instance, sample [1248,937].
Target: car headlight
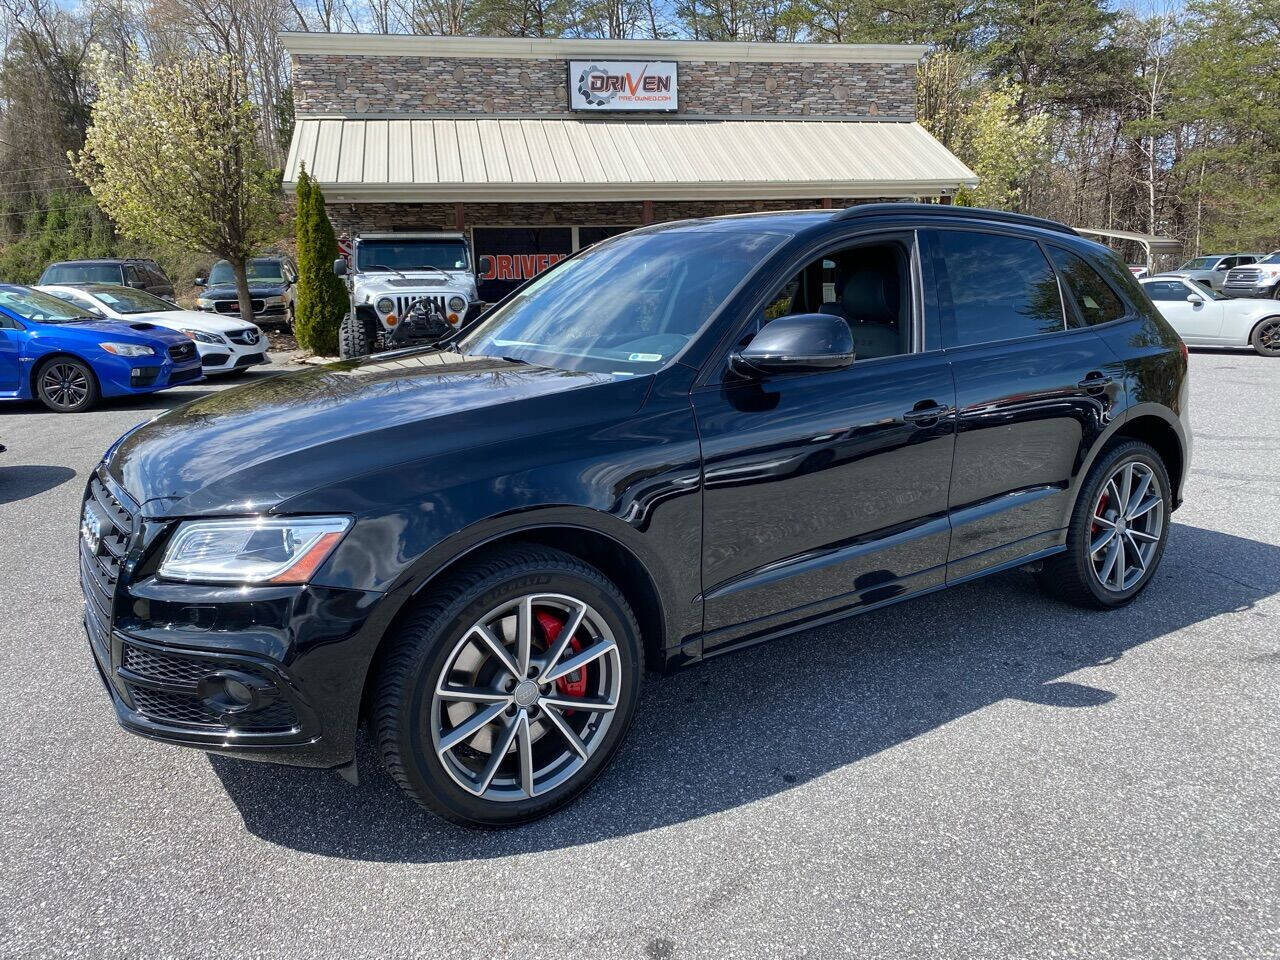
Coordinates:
[251,549]
[203,337]
[457,304]
[272,301]
[128,349]
[204,303]
[386,305]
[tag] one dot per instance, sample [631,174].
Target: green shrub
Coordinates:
[322,297]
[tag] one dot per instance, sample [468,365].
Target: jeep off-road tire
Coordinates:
[478,718]
[1118,530]
[355,339]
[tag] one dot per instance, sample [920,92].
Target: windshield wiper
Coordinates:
[383,266]
[515,360]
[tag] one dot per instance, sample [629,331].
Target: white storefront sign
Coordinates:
[606,85]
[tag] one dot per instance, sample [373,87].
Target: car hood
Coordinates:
[1252,307]
[195,320]
[250,449]
[121,331]
[390,283]
[227,291]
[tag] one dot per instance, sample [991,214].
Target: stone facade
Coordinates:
[349,219]
[410,85]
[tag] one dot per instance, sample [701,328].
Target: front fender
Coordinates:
[633,477]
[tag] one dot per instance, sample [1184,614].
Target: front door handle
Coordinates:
[1095,382]
[926,413]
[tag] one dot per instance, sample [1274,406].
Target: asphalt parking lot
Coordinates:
[980,773]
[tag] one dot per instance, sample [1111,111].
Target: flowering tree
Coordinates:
[172,156]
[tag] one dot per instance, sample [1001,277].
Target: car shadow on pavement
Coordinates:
[737,729]
[30,480]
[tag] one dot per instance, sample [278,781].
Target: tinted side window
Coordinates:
[1095,301]
[1000,288]
[1165,290]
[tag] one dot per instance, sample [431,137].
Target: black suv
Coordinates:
[139,274]
[273,288]
[683,439]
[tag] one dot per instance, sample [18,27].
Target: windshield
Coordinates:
[405,255]
[1206,291]
[264,270]
[127,300]
[1201,263]
[625,306]
[1271,258]
[41,307]
[82,273]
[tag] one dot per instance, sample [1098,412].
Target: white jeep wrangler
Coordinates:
[390,272]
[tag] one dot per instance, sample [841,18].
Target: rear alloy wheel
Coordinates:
[66,386]
[1266,337]
[508,692]
[1126,527]
[1118,530]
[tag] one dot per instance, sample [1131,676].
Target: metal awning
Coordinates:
[1150,245]
[533,160]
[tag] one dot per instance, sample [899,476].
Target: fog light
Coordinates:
[229,692]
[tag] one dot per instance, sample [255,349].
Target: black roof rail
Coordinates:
[861,210]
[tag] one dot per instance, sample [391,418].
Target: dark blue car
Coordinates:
[54,352]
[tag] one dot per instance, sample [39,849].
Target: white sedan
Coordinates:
[1206,318]
[226,344]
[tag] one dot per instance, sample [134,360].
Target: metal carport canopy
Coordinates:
[437,159]
[1148,242]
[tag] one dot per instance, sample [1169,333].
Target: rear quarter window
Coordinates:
[1094,300]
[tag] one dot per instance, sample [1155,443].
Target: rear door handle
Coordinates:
[926,413]
[1095,383]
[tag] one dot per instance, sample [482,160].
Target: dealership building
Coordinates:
[538,147]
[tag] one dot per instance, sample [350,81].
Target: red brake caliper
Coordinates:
[1100,511]
[572,684]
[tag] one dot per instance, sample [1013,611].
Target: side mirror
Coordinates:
[202,282]
[803,343]
[1195,299]
[340,267]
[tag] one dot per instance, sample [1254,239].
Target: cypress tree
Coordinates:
[322,297]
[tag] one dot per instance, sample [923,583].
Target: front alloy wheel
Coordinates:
[1266,336]
[66,386]
[525,697]
[506,692]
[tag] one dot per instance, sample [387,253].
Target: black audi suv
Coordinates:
[684,439]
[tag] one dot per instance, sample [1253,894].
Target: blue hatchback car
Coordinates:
[55,352]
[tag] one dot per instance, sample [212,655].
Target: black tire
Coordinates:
[1071,576]
[355,339]
[1265,338]
[419,653]
[66,385]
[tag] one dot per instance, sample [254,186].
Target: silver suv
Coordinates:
[1212,270]
[1258,281]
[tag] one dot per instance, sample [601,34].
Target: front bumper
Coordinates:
[120,376]
[225,357]
[164,650]
[1257,291]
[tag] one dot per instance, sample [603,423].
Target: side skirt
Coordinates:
[798,626]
